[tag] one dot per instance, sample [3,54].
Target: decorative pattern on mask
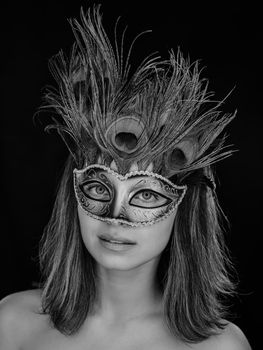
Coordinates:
[149,199]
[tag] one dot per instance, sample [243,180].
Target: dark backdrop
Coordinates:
[227,39]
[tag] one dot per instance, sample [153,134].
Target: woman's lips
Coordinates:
[116,240]
[116,244]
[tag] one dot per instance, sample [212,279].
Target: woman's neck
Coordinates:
[128,294]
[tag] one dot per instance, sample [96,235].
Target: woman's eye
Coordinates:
[149,199]
[148,196]
[96,191]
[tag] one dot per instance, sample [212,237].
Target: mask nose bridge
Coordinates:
[120,198]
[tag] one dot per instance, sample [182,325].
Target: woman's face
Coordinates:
[133,246]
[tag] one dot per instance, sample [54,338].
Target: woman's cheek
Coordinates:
[156,237]
[89,228]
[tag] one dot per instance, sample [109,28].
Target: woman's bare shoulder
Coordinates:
[20,304]
[231,338]
[19,312]
[27,297]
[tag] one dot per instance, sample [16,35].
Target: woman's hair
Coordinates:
[192,273]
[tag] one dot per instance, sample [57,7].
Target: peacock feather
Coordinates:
[162,114]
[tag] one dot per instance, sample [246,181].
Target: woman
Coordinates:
[133,255]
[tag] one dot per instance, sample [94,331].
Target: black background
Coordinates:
[225,37]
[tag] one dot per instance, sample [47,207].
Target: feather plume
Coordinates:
[162,114]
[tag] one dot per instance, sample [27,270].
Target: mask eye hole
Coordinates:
[149,199]
[95,190]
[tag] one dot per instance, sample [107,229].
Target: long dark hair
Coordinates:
[192,273]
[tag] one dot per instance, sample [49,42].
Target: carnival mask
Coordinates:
[146,199]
